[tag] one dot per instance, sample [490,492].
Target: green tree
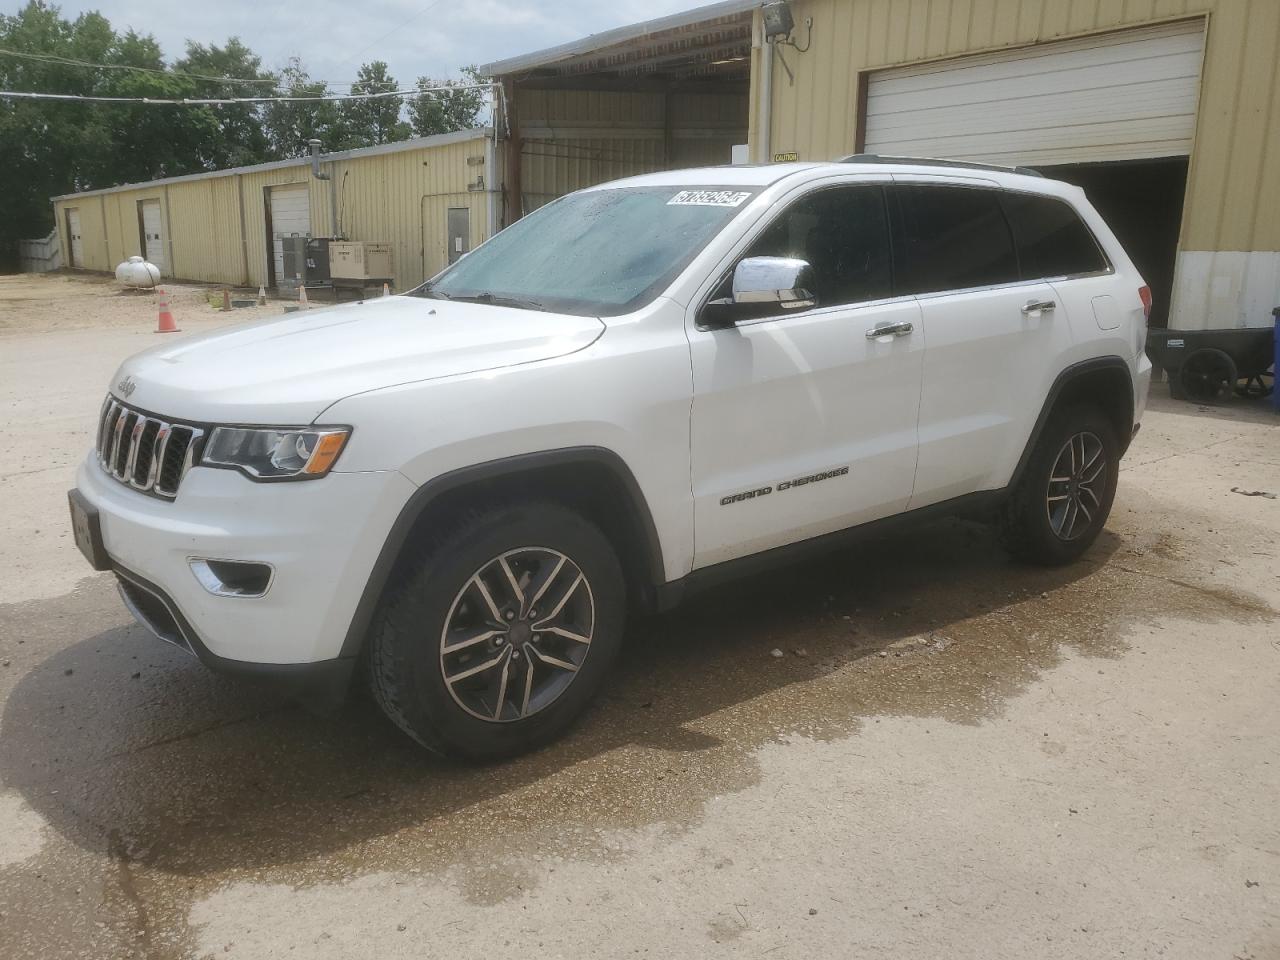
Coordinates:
[444,111]
[54,147]
[289,126]
[370,122]
[241,137]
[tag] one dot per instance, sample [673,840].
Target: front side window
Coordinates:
[843,233]
[953,238]
[597,253]
[1052,240]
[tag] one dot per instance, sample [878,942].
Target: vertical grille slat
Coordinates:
[124,440]
[145,452]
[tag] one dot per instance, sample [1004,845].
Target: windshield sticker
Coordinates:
[709,198]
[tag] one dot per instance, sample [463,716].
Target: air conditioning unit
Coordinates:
[359,260]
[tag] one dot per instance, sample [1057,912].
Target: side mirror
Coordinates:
[763,286]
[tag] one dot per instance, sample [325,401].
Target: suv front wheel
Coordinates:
[500,632]
[1064,496]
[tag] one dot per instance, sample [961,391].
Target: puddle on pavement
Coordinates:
[182,781]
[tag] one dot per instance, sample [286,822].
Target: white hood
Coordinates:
[287,371]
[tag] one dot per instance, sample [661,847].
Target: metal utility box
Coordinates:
[459,228]
[293,262]
[317,260]
[359,260]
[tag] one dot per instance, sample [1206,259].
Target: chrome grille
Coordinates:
[143,451]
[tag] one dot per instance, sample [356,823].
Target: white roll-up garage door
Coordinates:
[290,217]
[1127,95]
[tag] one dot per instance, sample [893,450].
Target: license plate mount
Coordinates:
[86,527]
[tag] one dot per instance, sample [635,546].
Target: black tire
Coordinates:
[1039,530]
[407,644]
[1208,375]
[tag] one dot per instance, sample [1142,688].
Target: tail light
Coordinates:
[1144,294]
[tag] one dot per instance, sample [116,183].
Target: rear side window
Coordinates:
[952,238]
[1052,239]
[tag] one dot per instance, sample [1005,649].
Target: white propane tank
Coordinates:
[136,272]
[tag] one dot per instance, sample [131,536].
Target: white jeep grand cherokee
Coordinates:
[633,391]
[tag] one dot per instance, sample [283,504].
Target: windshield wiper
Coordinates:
[520,303]
[429,291]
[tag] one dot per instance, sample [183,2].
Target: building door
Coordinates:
[75,243]
[152,236]
[459,232]
[1126,95]
[290,209]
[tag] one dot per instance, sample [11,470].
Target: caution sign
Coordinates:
[789,157]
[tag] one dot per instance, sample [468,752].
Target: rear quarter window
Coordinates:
[1052,239]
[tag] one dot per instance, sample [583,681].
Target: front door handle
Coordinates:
[1038,306]
[890,328]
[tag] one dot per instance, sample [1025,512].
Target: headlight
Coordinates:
[279,453]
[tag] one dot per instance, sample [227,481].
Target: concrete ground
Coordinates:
[955,757]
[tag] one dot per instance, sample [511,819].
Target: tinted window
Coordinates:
[844,234]
[1052,239]
[953,238]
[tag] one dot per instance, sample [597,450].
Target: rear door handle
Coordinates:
[1038,306]
[890,328]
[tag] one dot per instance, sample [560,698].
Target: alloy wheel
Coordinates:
[517,634]
[1077,485]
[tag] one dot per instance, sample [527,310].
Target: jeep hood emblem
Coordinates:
[126,387]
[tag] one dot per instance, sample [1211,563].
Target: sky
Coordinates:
[432,38]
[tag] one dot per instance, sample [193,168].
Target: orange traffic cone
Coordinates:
[302,298]
[226,300]
[386,289]
[166,324]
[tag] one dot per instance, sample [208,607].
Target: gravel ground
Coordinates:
[954,756]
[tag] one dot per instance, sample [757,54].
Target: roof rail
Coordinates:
[931,162]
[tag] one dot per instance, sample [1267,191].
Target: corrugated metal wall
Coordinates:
[401,197]
[404,198]
[1234,188]
[576,138]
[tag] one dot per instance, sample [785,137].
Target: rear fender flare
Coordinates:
[1060,384]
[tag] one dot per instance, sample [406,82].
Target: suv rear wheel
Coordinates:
[500,632]
[1064,496]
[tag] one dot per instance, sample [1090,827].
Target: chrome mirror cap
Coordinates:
[785,281]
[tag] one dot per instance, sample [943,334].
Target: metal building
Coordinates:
[659,95]
[431,199]
[1167,112]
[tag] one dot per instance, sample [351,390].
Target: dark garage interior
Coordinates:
[1141,200]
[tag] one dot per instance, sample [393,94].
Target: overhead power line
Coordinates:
[154,71]
[72,62]
[220,101]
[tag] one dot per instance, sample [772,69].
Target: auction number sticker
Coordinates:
[709,198]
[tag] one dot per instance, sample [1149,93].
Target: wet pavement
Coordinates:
[166,781]
[937,714]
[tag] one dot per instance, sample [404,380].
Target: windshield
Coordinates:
[598,253]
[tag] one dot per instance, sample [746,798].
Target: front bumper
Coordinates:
[321,537]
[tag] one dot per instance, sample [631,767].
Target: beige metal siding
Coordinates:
[576,138]
[399,197]
[403,199]
[1234,186]
[205,225]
